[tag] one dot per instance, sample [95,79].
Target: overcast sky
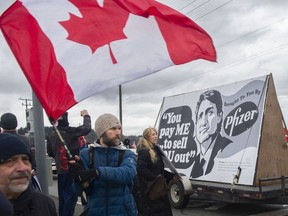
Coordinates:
[251,40]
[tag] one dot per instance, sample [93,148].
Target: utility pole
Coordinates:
[120,107]
[27,103]
[34,116]
[28,113]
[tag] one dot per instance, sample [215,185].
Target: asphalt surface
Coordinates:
[216,209]
[78,208]
[200,208]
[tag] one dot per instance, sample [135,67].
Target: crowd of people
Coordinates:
[110,178]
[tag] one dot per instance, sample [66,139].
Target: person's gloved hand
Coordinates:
[75,166]
[86,175]
[81,175]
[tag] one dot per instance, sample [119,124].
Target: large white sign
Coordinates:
[211,134]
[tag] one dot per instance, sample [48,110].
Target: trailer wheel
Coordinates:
[176,195]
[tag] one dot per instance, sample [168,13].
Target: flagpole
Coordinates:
[40,147]
[120,107]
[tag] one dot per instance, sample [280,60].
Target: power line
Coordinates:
[213,10]
[27,102]
[260,54]
[197,7]
[250,58]
[252,32]
[188,5]
[224,67]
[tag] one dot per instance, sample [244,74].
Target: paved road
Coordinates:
[225,209]
[206,208]
[214,209]
[79,209]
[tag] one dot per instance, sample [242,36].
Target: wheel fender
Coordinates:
[179,192]
[186,184]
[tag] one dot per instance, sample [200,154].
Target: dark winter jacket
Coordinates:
[70,135]
[111,193]
[33,203]
[6,207]
[147,171]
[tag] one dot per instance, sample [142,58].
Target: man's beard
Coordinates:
[111,141]
[19,188]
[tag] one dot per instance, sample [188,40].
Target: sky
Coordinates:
[250,38]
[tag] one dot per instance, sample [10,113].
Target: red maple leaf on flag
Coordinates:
[98,25]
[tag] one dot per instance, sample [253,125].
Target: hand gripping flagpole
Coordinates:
[85,185]
[70,157]
[63,142]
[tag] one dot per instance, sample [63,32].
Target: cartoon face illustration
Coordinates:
[207,121]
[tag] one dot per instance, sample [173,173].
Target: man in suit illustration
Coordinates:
[210,142]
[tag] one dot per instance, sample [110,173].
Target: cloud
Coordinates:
[250,39]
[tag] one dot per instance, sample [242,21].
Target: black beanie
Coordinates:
[63,120]
[11,145]
[8,121]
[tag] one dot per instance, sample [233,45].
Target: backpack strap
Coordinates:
[91,158]
[120,156]
[90,166]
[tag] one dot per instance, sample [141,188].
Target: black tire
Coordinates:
[176,195]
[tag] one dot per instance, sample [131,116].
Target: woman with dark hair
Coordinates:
[149,166]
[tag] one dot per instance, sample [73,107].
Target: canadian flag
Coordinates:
[70,50]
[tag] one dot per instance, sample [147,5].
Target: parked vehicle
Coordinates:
[54,168]
[227,143]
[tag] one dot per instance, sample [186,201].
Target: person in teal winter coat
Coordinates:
[107,171]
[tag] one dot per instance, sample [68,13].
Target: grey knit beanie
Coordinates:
[105,122]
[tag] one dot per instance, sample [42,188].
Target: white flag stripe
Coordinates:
[78,59]
[74,50]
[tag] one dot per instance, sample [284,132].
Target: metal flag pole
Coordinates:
[120,107]
[70,157]
[40,147]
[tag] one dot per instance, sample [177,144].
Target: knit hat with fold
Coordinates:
[105,122]
[11,145]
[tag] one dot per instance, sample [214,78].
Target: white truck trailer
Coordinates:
[228,143]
